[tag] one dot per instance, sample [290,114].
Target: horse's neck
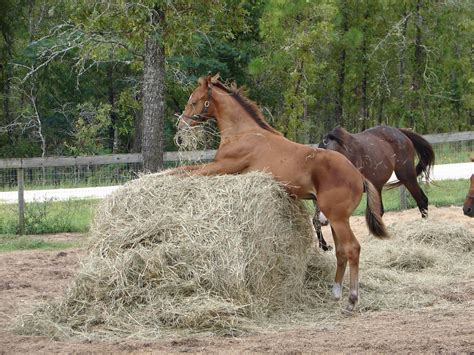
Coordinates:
[354,147]
[232,119]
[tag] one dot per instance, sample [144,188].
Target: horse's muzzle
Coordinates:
[184,122]
[468,211]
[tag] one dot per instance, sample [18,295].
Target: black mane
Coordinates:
[337,134]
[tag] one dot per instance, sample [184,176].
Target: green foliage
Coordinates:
[91,124]
[62,59]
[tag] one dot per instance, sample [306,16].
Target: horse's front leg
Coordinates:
[317,223]
[227,166]
[181,170]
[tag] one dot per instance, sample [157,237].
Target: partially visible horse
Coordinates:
[468,207]
[378,152]
[249,143]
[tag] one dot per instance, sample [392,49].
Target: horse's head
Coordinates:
[468,207]
[334,140]
[199,107]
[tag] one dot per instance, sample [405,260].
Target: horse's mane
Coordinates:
[337,134]
[248,105]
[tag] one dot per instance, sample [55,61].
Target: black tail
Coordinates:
[424,150]
[373,211]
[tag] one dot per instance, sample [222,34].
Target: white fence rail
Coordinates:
[448,172]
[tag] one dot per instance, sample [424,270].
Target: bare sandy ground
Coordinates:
[30,276]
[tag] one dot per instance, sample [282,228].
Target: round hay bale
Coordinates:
[451,236]
[187,253]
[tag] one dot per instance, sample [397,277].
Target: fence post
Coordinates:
[403,198]
[21,200]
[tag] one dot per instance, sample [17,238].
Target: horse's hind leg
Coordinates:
[317,226]
[381,201]
[340,269]
[347,251]
[409,180]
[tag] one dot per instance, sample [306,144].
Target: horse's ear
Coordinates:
[215,78]
[202,81]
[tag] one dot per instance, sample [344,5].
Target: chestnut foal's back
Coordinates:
[248,143]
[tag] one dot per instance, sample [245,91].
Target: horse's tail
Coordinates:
[373,211]
[424,150]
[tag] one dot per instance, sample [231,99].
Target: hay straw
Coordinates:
[202,136]
[441,234]
[229,254]
[190,138]
[421,258]
[186,253]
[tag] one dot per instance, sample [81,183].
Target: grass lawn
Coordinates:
[9,242]
[49,217]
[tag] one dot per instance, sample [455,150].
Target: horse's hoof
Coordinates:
[348,310]
[336,292]
[325,247]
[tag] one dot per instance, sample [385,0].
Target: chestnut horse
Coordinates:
[249,143]
[468,207]
[378,152]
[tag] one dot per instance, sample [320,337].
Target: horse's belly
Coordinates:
[296,179]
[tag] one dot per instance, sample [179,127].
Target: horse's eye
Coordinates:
[325,141]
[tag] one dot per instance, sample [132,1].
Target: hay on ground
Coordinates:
[442,234]
[423,257]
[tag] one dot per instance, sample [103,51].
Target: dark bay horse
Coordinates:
[468,206]
[378,152]
[249,143]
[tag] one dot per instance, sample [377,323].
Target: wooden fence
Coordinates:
[24,163]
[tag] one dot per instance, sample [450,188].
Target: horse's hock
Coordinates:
[168,252]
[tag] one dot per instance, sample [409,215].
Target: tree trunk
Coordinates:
[401,68]
[401,63]
[380,113]
[153,102]
[341,71]
[418,64]
[365,73]
[304,119]
[113,131]
[8,74]
[6,102]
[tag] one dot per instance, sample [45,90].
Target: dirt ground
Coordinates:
[29,276]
